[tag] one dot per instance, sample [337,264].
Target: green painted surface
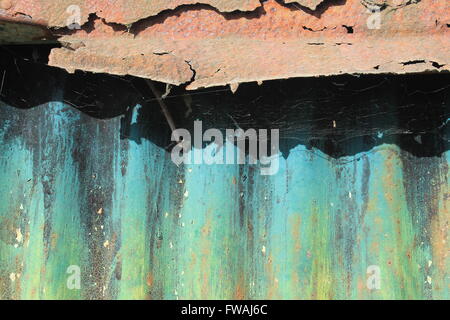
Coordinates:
[73,192]
[102,193]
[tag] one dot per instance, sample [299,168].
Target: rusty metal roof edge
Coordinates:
[199,47]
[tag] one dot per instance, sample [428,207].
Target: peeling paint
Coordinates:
[274,44]
[54,12]
[205,44]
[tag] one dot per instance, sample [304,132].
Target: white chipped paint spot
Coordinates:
[19,236]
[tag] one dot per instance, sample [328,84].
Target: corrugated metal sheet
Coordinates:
[86,179]
[78,190]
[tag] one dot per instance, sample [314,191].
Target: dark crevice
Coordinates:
[407,63]
[321,8]
[433,63]
[437,65]
[22,15]
[160,53]
[145,23]
[348,28]
[312,30]
[88,27]
[194,73]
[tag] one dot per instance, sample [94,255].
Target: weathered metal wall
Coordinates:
[77,190]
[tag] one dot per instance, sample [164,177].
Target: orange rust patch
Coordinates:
[439,241]
[295,222]
[204,46]
[149,280]
[56,13]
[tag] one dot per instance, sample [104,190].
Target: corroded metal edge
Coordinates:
[200,46]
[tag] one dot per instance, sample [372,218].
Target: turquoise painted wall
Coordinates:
[72,192]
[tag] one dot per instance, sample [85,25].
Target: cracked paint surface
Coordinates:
[54,12]
[204,45]
[278,43]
